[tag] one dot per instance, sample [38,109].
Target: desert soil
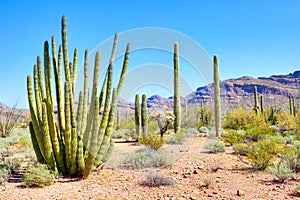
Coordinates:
[227,174]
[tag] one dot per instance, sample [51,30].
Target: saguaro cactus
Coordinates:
[74,142]
[144,115]
[137,115]
[261,104]
[217,97]
[177,107]
[256,107]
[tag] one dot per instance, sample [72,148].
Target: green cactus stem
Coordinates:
[144,115]
[177,107]
[137,115]
[256,107]
[217,98]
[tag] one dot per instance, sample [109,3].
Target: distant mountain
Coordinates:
[239,92]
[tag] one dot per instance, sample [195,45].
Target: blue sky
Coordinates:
[251,37]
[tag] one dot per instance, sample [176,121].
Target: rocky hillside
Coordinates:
[239,92]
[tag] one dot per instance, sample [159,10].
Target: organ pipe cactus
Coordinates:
[177,107]
[217,97]
[75,141]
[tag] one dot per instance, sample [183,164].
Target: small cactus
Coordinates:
[144,115]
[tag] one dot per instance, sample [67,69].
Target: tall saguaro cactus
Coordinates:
[217,97]
[177,107]
[137,115]
[76,141]
[256,107]
[144,115]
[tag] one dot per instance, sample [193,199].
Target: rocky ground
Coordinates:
[196,175]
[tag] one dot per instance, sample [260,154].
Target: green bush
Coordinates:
[262,153]
[39,176]
[259,133]
[233,136]
[155,179]
[153,141]
[240,149]
[282,171]
[146,158]
[162,159]
[240,119]
[178,138]
[215,147]
[139,159]
[5,171]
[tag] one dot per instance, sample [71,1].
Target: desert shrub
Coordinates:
[259,133]
[178,138]
[233,136]
[153,141]
[4,171]
[297,190]
[38,175]
[215,147]
[208,180]
[162,159]
[155,179]
[204,116]
[261,153]
[240,119]
[286,121]
[9,120]
[139,159]
[145,158]
[240,149]
[14,164]
[282,171]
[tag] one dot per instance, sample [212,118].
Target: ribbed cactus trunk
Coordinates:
[217,97]
[144,115]
[261,104]
[256,107]
[137,115]
[73,142]
[177,107]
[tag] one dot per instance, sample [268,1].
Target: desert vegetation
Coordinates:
[67,139]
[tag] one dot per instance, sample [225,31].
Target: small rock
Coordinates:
[3,188]
[195,172]
[211,195]
[241,193]
[215,192]
[193,198]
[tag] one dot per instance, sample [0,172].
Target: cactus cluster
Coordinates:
[177,106]
[76,140]
[217,97]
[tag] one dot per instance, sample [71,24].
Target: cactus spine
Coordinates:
[137,115]
[144,115]
[177,107]
[217,97]
[256,107]
[74,143]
